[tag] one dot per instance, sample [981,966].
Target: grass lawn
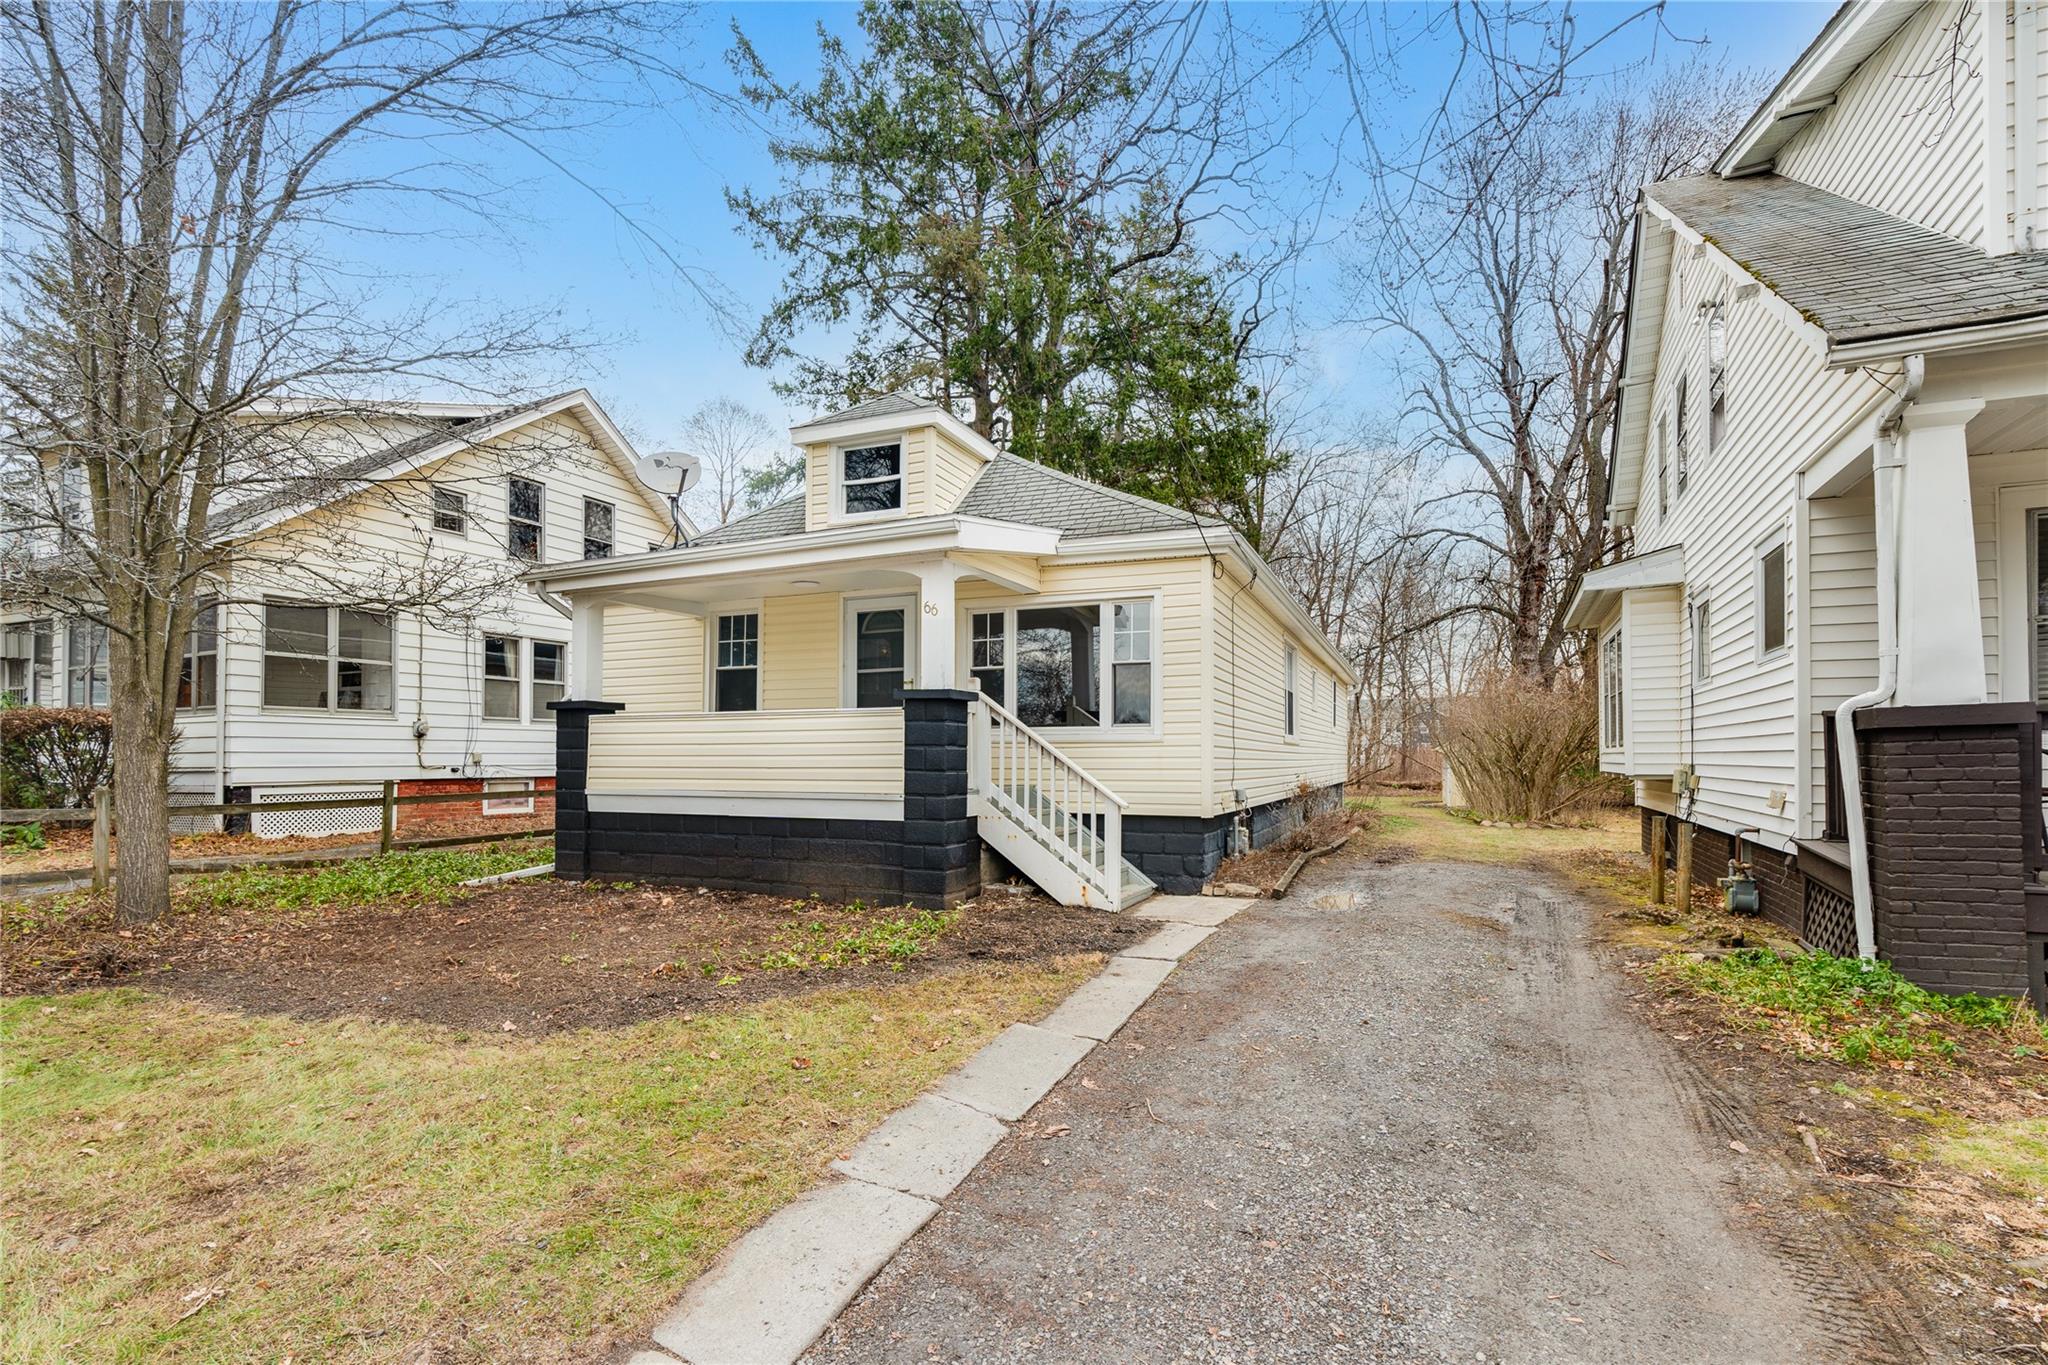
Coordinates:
[184,1183]
[1424,828]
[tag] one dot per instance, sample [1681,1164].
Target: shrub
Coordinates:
[23,838]
[54,755]
[1521,751]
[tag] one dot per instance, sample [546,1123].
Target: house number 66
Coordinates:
[931,609]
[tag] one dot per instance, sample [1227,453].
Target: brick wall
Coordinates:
[427,814]
[1945,803]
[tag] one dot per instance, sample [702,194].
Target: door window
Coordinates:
[881,649]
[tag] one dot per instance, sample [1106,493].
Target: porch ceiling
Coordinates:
[2011,424]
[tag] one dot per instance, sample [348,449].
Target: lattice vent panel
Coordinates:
[287,824]
[1830,921]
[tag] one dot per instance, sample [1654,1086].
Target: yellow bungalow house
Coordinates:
[938,649]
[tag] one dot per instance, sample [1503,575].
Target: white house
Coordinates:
[287,697]
[1832,456]
[934,648]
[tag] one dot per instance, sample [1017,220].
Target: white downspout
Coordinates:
[1884,473]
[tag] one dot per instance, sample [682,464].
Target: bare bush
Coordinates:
[1521,751]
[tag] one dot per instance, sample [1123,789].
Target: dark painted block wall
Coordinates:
[835,859]
[941,846]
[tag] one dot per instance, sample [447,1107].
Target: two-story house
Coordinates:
[287,697]
[1831,639]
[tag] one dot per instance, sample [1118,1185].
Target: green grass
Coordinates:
[351,1190]
[1425,827]
[1857,1011]
[822,944]
[429,875]
[2011,1155]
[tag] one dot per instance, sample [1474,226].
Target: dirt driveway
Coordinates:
[1401,1115]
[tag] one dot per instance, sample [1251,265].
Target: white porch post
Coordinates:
[1941,629]
[586,649]
[935,612]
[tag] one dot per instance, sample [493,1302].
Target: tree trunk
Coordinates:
[142,822]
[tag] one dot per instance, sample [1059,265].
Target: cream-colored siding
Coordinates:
[1905,134]
[653,660]
[953,469]
[437,669]
[936,473]
[1253,754]
[1739,729]
[800,652]
[1157,774]
[807,754]
[1653,669]
[2002,488]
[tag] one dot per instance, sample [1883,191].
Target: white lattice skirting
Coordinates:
[286,824]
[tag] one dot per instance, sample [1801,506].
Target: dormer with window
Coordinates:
[889,458]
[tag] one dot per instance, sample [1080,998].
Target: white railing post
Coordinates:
[1112,855]
[977,756]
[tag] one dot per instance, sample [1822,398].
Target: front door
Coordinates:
[881,636]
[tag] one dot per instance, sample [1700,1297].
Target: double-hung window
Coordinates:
[28,668]
[199,669]
[871,479]
[1287,697]
[737,666]
[326,658]
[451,511]
[1681,439]
[550,675]
[1077,666]
[598,520]
[85,664]
[1702,642]
[1771,605]
[525,511]
[501,677]
[1610,690]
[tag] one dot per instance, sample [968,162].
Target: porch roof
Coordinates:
[1600,590]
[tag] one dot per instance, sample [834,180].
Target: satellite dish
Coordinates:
[670,473]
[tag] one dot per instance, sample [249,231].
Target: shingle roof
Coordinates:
[1856,273]
[1008,489]
[887,405]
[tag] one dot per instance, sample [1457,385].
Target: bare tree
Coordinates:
[735,442]
[178,182]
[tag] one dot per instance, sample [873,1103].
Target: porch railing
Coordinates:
[1075,817]
[764,754]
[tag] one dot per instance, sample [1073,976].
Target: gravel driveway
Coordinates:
[1400,1115]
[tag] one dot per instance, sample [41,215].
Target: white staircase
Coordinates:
[1046,815]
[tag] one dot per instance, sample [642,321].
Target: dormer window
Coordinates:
[871,479]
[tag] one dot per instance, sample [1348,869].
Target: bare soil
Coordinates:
[539,955]
[69,847]
[1264,867]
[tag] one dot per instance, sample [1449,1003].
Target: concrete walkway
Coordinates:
[1400,1115]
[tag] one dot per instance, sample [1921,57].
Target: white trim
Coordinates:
[716,612]
[1941,341]
[1758,553]
[1600,590]
[1811,83]
[853,603]
[827,431]
[836,457]
[1105,730]
[816,807]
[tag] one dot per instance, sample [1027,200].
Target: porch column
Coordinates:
[935,615]
[1941,627]
[572,778]
[941,842]
[586,649]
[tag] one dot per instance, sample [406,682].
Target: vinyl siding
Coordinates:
[2023,150]
[1253,753]
[1996,482]
[1653,672]
[800,652]
[1738,730]
[653,660]
[1841,634]
[781,753]
[1906,132]
[936,474]
[953,471]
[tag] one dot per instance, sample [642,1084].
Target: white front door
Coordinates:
[881,640]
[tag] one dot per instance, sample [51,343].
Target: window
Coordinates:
[43,663]
[1058,672]
[1130,683]
[28,668]
[326,658]
[1702,643]
[1679,421]
[1771,604]
[1663,467]
[85,664]
[451,511]
[199,671]
[597,528]
[1717,380]
[871,479]
[550,675]
[1610,690]
[526,502]
[501,678]
[881,653]
[988,635]
[521,804]
[1287,696]
[737,685]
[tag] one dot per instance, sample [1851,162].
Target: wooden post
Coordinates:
[385,839]
[1682,893]
[1657,860]
[102,838]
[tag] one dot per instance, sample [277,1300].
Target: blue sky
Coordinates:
[664,351]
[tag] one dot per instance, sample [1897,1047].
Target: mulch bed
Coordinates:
[1263,867]
[539,955]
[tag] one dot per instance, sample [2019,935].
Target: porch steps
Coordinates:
[1036,848]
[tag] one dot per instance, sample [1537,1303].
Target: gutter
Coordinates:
[1886,468]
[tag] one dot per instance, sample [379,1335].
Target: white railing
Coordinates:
[1075,817]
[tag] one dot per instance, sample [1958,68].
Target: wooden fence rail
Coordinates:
[101,814]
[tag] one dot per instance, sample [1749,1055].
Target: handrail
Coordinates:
[1005,713]
[1018,773]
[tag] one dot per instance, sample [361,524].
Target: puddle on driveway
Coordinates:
[1341,900]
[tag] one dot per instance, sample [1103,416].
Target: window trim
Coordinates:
[839,481]
[1762,552]
[520,806]
[1717,379]
[611,546]
[435,492]
[1681,396]
[1699,626]
[333,663]
[539,524]
[1106,730]
[104,669]
[535,707]
[1290,691]
[190,655]
[519,678]
[717,614]
[1615,738]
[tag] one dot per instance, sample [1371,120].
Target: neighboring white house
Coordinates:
[287,697]
[1832,455]
[934,647]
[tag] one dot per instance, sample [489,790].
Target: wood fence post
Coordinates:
[1657,859]
[102,841]
[385,839]
[1682,893]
